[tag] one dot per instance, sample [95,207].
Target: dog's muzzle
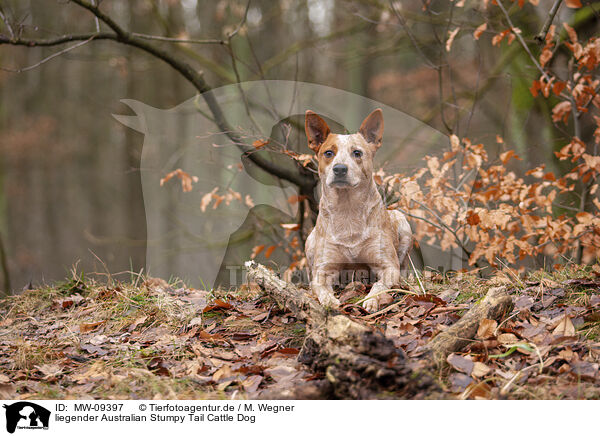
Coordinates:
[340,171]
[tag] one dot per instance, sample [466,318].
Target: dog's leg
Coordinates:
[387,278]
[322,286]
[405,268]
[405,240]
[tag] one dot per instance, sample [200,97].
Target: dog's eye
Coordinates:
[328,153]
[357,153]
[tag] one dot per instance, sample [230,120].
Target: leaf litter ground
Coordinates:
[83,339]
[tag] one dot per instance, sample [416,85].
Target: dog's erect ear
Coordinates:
[372,128]
[317,130]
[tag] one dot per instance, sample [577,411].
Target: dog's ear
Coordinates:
[372,128]
[317,130]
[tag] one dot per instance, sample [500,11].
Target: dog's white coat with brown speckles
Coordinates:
[353,227]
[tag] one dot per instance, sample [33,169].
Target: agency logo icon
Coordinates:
[26,415]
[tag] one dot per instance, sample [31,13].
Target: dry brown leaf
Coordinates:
[451,35]
[206,199]
[585,370]
[566,354]
[205,336]
[459,381]
[293,199]
[257,250]
[480,370]
[479,31]
[487,328]
[218,304]
[260,143]
[186,179]
[49,370]
[546,56]
[251,383]
[281,373]
[222,373]
[507,339]
[561,111]
[136,323]
[269,251]
[195,321]
[461,363]
[565,327]
[85,328]
[98,340]
[479,391]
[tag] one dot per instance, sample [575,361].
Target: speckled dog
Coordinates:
[354,229]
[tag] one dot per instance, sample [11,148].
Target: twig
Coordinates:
[442,224]
[96,20]
[64,39]
[521,40]
[541,37]
[412,38]
[444,309]
[242,22]
[577,133]
[178,40]
[7,23]
[235,68]
[46,59]
[110,279]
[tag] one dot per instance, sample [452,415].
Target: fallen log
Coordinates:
[496,304]
[358,362]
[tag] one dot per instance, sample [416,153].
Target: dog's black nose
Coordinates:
[340,170]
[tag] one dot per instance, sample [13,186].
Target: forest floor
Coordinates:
[148,339]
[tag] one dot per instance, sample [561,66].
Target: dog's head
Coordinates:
[345,161]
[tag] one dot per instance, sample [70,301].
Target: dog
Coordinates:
[353,228]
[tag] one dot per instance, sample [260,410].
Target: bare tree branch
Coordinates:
[179,40]
[48,58]
[64,39]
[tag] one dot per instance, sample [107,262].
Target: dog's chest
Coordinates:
[351,242]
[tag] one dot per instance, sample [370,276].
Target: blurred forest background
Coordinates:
[69,172]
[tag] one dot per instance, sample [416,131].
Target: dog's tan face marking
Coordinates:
[345,161]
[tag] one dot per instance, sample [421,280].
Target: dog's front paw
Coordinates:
[371,304]
[328,300]
[377,298]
